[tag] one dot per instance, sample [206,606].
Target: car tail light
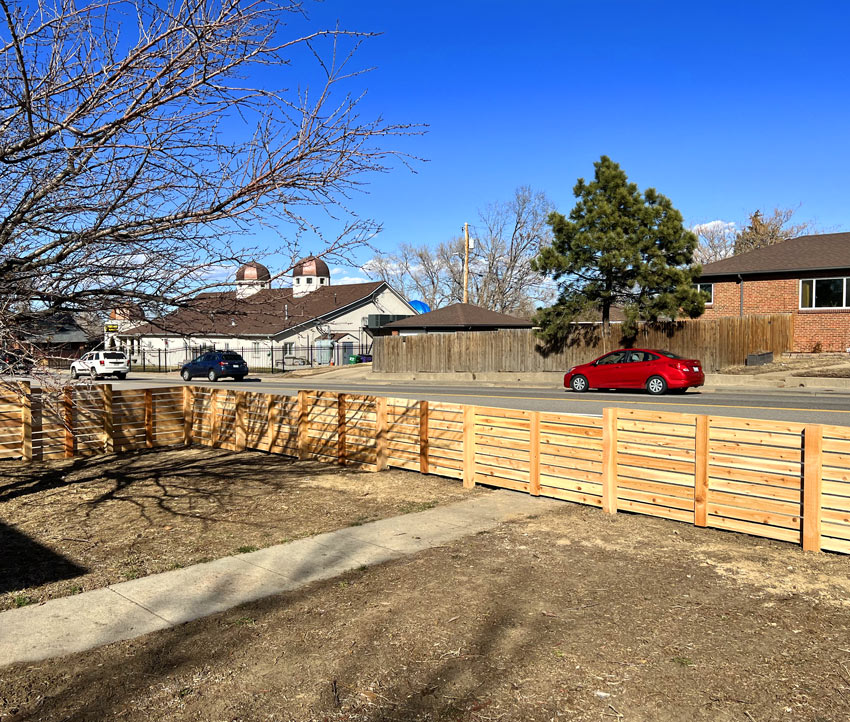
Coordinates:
[222,363]
[102,362]
[680,365]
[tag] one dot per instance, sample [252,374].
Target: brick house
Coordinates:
[808,277]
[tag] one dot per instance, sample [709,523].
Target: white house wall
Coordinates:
[350,321]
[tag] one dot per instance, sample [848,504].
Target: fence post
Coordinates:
[215,420]
[341,418]
[423,437]
[534,455]
[468,447]
[241,430]
[701,471]
[148,418]
[609,461]
[188,414]
[272,420]
[812,482]
[68,420]
[380,433]
[26,420]
[303,425]
[108,435]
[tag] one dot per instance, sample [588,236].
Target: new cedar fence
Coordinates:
[718,343]
[774,479]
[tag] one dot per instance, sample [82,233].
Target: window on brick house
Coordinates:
[708,290]
[824,293]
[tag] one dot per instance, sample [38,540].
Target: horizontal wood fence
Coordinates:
[774,479]
[718,343]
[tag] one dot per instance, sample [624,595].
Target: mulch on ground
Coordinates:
[573,615]
[71,526]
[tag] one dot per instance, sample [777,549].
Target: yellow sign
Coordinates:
[111,328]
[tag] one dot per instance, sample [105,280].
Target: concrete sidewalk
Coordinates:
[130,609]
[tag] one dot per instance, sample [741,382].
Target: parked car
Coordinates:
[101,363]
[637,368]
[215,365]
[14,362]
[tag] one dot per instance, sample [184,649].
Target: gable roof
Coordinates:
[820,252]
[460,316]
[265,313]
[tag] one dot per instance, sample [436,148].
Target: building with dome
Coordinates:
[312,321]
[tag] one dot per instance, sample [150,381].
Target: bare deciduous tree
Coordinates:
[716,241]
[762,230]
[509,236]
[138,136]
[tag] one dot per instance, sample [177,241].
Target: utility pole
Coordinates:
[466,263]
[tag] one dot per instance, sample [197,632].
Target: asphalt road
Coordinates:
[823,406]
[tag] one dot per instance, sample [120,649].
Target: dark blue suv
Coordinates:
[214,365]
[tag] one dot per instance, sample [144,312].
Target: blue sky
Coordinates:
[724,107]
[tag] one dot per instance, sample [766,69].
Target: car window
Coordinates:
[636,357]
[616,357]
[114,355]
[231,357]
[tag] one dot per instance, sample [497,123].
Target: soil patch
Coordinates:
[835,372]
[572,615]
[796,366]
[76,525]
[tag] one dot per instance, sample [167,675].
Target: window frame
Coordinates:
[814,306]
[710,300]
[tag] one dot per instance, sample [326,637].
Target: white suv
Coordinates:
[101,363]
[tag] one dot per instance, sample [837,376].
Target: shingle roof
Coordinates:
[805,253]
[461,315]
[265,313]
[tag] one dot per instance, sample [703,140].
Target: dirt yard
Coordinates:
[795,365]
[573,615]
[67,527]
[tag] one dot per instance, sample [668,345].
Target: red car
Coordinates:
[637,368]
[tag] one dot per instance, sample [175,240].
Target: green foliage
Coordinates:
[619,247]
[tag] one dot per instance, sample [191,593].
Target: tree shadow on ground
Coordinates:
[24,562]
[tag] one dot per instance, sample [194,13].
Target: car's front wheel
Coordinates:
[212,375]
[656,385]
[186,375]
[578,383]
[74,374]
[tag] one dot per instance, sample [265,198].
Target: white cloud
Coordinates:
[717,226]
[341,276]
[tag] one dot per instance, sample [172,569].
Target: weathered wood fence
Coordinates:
[774,479]
[718,343]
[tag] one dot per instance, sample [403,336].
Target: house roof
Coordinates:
[265,313]
[806,253]
[460,316]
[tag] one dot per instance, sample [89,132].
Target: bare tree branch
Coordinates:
[138,137]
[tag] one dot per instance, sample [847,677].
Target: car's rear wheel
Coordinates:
[212,375]
[93,373]
[186,375]
[578,383]
[74,374]
[656,385]
[121,376]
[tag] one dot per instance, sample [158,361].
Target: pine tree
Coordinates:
[619,247]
